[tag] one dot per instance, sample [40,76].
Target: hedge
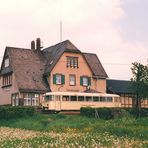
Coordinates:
[110,113]
[9,112]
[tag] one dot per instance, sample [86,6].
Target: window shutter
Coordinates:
[54,79]
[81,80]
[63,79]
[89,81]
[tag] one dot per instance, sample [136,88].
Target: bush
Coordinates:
[9,112]
[102,113]
[111,113]
[143,112]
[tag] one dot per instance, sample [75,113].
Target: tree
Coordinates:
[139,83]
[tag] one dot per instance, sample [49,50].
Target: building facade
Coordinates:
[26,74]
[124,89]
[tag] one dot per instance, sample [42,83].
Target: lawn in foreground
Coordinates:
[73,131]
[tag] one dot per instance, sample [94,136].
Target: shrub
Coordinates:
[9,112]
[102,113]
[143,112]
[110,113]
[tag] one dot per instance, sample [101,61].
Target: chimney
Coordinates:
[33,45]
[38,44]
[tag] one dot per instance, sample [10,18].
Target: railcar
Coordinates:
[66,101]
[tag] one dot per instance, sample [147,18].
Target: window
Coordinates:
[34,101]
[109,99]
[65,98]
[58,79]
[88,98]
[102,99]
[7,80]
[27,101]
[72,80]
[73,98]
[49,98]
[85,81]
[96,99]
[80,98]
[6,63]
[15,99]
[72,62]
[31,99]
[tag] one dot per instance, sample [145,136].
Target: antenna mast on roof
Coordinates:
[60,30]
[61,27]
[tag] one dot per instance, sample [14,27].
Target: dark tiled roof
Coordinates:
[54,53]
[119,86]
[28,68]
[95,65]
[31,66]
[6,70]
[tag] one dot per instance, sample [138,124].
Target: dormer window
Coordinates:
[7,80]
[6,63]
[72,62]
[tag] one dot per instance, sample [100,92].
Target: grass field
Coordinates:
[73,131]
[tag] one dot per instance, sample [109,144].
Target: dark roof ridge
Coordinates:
[9,47]
[119,80]
[89,53]
[56,44]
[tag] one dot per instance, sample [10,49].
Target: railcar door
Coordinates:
[117,102]
[58,103]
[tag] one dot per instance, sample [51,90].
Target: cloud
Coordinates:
[93,26]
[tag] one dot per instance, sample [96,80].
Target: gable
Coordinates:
[54,53]
[6,60]
[61,65]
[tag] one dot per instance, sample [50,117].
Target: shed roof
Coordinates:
[119,86]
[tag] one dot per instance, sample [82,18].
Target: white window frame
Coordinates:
[34,101]
[6,62]
[72,80]
[58,79]
[27,101]
[85,81]
[72,62]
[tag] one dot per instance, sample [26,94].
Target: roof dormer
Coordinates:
[6,62]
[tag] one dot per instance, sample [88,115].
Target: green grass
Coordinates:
[128,127]
[59,130]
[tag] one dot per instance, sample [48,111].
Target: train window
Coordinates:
[65,98]
[73,98]
[48,98]
[102,99]
[80,98]
[109,99]
[57,98]
[96,99]
[88,98]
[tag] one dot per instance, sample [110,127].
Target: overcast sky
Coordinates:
[116,30]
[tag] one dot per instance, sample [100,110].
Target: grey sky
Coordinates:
[116,30]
